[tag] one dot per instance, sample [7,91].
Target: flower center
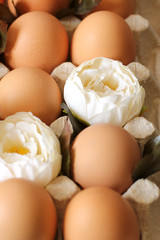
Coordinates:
[100,85]
[19,150]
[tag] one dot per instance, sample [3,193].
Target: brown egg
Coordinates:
[104,155]
[30,90]
[103,34]
[100,213]
[27,211]
[122,7]
[51,6]
[36,39]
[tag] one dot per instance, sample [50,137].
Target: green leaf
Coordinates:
[5,14]
[3,36]
[143,110]
[64,12]
[82,7]
[150,163]
[65,141]
[77,125]
[71,129]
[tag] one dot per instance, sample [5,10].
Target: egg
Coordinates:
[103,34]
[27,211]
[100,213]
[51,6]
[36,39]
[29,89]
[122,7]
[104,155]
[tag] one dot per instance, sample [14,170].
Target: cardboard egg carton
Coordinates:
[144,195]
[3,70]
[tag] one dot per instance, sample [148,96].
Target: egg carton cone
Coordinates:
[144,196]
[3,70]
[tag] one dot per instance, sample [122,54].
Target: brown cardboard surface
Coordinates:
[148,53]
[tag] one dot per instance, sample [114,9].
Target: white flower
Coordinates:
[28,149]
[102,90]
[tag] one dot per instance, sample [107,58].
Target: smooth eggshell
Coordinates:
[51,6]
[36,39]
[100,213]
[27,211]
[103,34]
[122,7]
[30,90]
[105,155]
